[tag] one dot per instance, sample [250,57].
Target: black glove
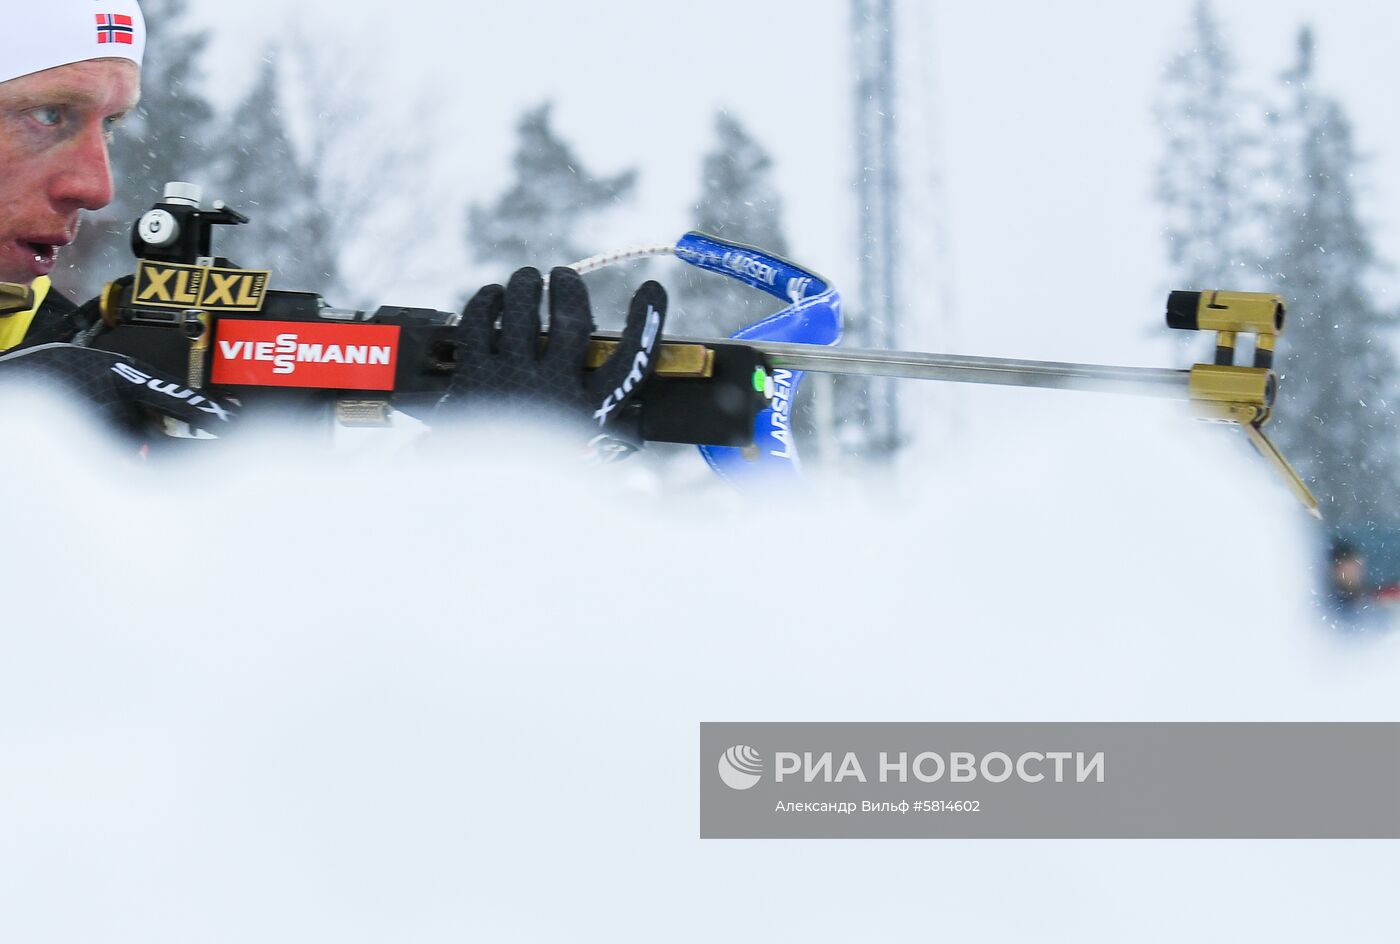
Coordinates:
[124,391]
[506,366]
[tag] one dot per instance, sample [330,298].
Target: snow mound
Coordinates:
[264,694]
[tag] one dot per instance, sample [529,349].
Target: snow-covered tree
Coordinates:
[1214,216]
[263,177]
[1266,200]
[166,138]
[541,220]
[1336,416]
[365,167]
[537,221]
[738,202]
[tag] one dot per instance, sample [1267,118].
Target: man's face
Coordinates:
[1349,574]
[54,127]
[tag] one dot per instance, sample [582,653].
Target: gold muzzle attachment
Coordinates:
[1231,392]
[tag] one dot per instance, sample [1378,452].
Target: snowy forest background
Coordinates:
[1259,185]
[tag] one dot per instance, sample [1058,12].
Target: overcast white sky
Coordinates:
[1043,114]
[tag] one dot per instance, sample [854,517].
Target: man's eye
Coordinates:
[110,124]
[50,116]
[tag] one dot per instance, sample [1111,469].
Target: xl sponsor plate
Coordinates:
[305,354]
[208,288]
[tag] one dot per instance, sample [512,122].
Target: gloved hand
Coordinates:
[506,366]
[124,391]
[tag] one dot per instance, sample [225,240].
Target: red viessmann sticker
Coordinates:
[305,354]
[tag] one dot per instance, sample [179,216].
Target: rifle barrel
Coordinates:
[962,368]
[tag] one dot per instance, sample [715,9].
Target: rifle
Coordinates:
[197,316]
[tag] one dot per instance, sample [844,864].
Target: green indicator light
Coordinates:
[760,379]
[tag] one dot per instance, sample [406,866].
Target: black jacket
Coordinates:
[57,319]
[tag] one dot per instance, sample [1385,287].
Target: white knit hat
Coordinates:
[45,34]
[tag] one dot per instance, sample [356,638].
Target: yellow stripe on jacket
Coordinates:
[14,327]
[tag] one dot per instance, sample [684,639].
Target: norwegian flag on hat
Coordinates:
[61,32]
[115,28]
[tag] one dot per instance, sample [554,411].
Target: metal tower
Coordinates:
[867,417]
